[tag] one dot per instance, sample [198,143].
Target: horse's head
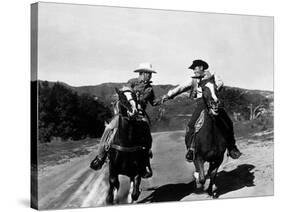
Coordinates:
[126,104]
[209,91]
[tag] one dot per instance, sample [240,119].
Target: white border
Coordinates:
[14,48]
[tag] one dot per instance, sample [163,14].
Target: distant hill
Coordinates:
[105,90]
[174,114]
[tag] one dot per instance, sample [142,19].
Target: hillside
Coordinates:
[105,90]
[174,114]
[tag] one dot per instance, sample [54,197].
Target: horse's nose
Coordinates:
[214,101]
[217,101]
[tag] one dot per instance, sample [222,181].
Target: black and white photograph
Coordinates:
[139,105]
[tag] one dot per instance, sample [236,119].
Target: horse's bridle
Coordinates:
[132,99]
[140,112]
[209,107]
[122,148]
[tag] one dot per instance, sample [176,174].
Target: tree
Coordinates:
[65,114]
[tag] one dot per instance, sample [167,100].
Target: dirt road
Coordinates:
[74,184]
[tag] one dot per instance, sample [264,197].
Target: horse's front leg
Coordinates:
[113,184]
[136,187]
[212,172]
[199,174]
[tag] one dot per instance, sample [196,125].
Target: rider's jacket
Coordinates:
[144,92]
[192,85]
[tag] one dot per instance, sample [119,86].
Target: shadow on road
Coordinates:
[226,182]
[235,179]
[170,192]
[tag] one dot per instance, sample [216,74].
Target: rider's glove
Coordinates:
[164,98]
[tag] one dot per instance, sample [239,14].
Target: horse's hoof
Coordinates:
[108,202]
[207,184]
[198,185]
[196,175]
[135,196]
[199,191]
[215,196]
[212,194]
[202,182]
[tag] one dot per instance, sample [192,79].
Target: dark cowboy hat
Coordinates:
[199,63]
[145,67]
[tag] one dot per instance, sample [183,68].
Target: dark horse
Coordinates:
[126,153]
[210,143]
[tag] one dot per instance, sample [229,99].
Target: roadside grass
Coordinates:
[245,128]
[59,152]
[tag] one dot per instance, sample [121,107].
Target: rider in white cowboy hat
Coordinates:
[145,94]
[200,69]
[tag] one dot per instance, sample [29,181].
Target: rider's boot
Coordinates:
[106,140]
[190,150]
[227,127]
[147,171]
[233,151]
[97,163]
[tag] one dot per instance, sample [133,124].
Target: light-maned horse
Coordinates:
[126,152]
[210,143]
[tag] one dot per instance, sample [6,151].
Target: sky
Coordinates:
[89,45]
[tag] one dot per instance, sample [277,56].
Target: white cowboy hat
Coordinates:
[145,67]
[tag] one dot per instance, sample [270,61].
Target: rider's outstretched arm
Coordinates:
[178,90]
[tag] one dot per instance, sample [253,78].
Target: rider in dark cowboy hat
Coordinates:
[200,69]
[145,94]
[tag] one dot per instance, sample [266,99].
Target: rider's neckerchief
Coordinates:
[196,90]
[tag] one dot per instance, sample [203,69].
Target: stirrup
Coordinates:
[187,154]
